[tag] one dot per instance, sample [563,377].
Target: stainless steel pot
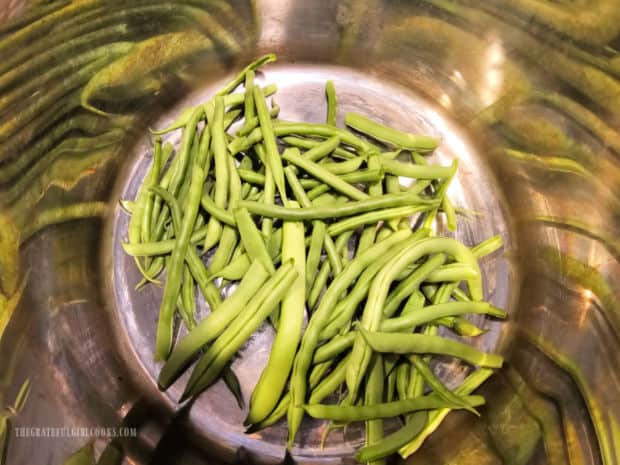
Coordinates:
[525,93]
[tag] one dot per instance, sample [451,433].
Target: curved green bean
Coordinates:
[400,343]
[389,135]
[212,325]
[387,409]
[336,211]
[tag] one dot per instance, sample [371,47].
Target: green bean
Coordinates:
[460,326]
[163,247]
[233,385]
[411,283]
[454,272]
[252,239]
[373,396]
[269,141]
[137,221]
[188,300]
[401,343]
[328,178]
[330,383]
[212,325]
[437,386]
[330,93]
[202,278]
[322,149]
[436,311]
[239,78]
[218,147]
[315,377]
[389,135]
[230,100]
[336,211]
[332,255]
[374,217]
[285,128]
[317,239]
[252,177]
[333,348]
[318,285]
[344,167]
[436,417]
[392,184]
[273,378]
[398,168]
[269,191]
[368,235]
[240,329]
[386,410]
[321,279]
[390,444]
[238,267]
[216,212]
[147,207]
[402,380]
[339,344]
[344,310]
[173,281]
[320,317]
[228,240]
[311,143]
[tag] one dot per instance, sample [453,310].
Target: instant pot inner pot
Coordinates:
[214,420]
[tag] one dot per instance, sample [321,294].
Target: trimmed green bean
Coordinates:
[374,217]
[311,143]
[330,383]
[334,347]
[407,170]
[252,239]
[273,378]
[390,135]
[212,325]
[220,157]
[325,176]
[330,93]
[373,396]
[437,311]
[390,444]
[240,329]
[336,211]
[239,78]
[285,128]
[320,317]
[269,141]
[163,341]
[409,285]
[436,417]
[437,386]
[401,343]
[387,409]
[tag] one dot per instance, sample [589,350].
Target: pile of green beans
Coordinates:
[235,206]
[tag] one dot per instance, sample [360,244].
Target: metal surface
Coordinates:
[484,76]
